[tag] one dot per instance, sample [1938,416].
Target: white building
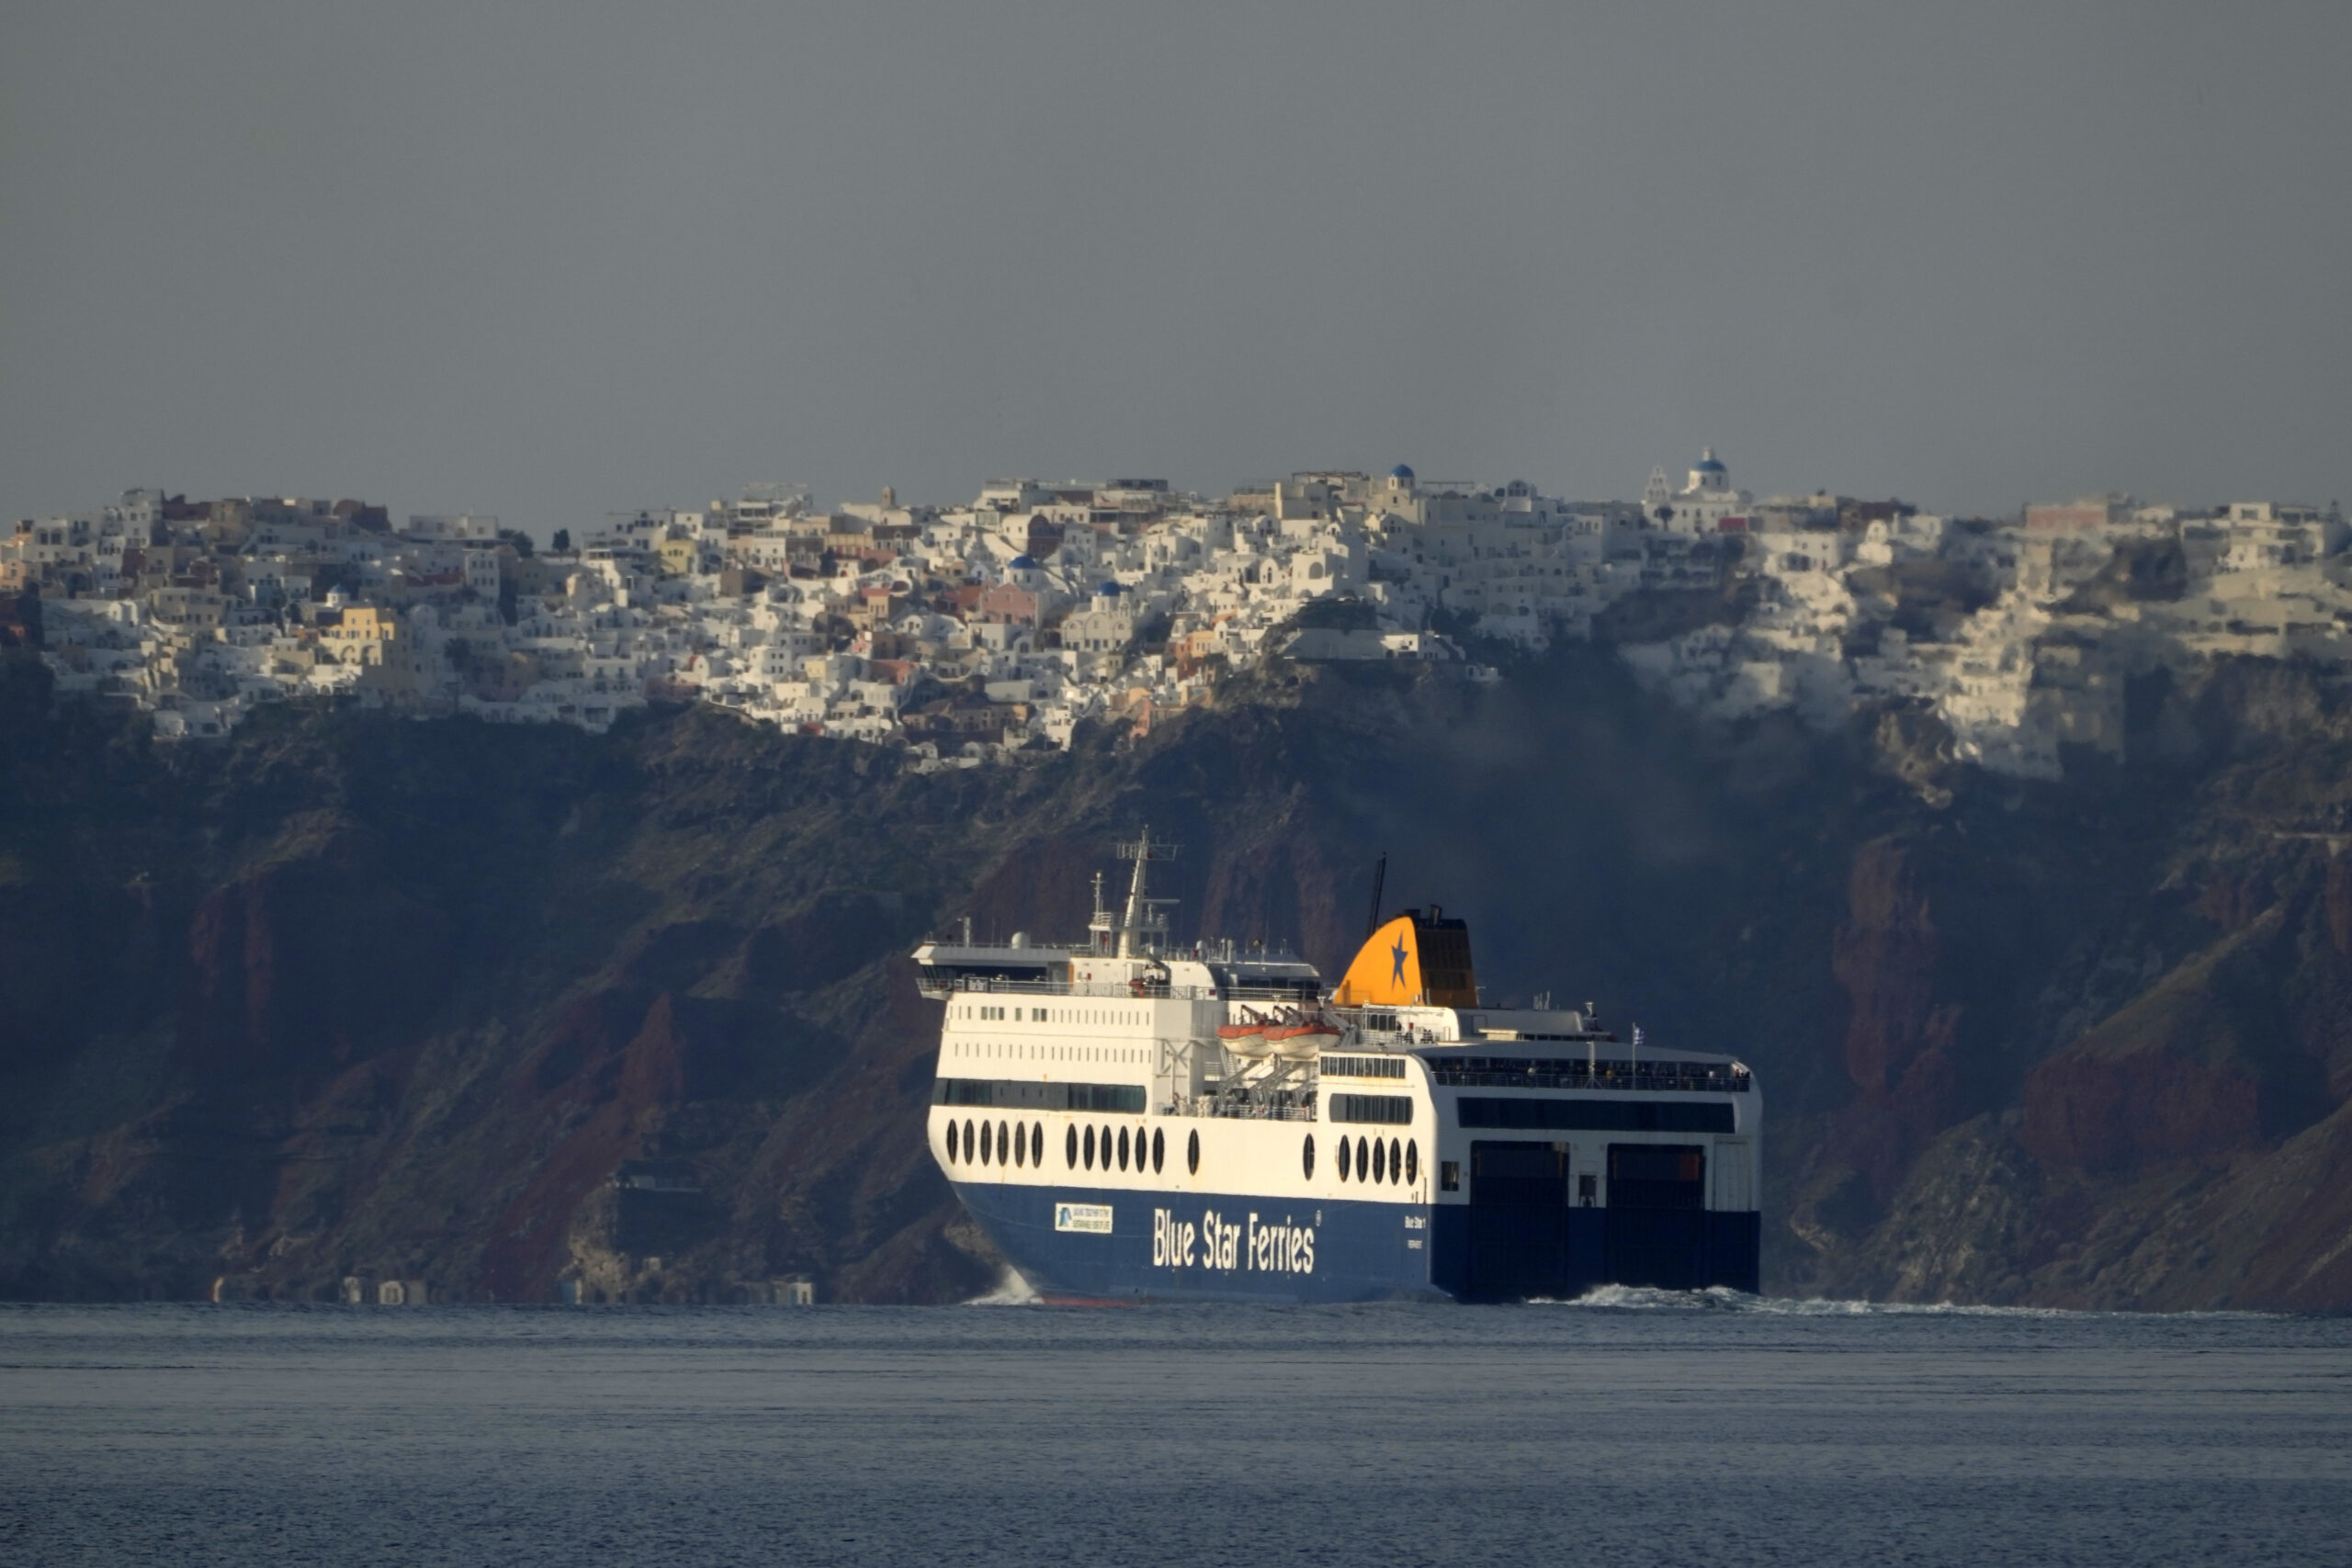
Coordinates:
[1701,506]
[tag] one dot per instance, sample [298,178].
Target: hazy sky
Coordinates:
[552,259]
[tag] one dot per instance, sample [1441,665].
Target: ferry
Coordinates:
[1131,1119]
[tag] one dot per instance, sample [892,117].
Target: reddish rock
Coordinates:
[1286,893]
[2099,1112]
[308,965]
[2231,902]
[590,1030]
[1898,1036]
[2338,901]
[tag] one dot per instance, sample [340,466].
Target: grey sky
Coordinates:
[550,259]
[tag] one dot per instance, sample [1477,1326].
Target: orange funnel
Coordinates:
[1415,960]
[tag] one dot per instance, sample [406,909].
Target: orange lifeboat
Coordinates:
[1303,1041]
[1245,1039]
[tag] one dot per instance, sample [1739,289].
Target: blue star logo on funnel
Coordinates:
[1397,953]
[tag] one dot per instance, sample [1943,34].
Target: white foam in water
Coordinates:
[1011,1290]
[1719,1299]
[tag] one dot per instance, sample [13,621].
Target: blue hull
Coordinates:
[1207,1247]
[1508,1253]
[1105,1243]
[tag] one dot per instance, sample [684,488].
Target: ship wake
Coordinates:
[1643,1298]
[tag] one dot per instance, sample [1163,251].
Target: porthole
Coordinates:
[951,1142]
[1037,1145]
[968,1145]
[1363,1161]
[1379,1160]
[1396,1161]
[1003,1144]
[1069,1148]
[1412,1162]
[1307,1157]
[1123,1148]
[1106,1148]
[1090,1148]
[988,1144]
[1192,1152]
[1344,1160]
[1020,1146]
[1159,1151]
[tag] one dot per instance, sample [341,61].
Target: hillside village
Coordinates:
[966,632]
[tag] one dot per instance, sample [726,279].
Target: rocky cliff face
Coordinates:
[495,1008]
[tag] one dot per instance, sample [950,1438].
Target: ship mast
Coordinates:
[1142,927]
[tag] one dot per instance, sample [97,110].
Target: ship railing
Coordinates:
[1220,1108]
[1677,1076]
[990,986]
[1305,991]
[1379,1029]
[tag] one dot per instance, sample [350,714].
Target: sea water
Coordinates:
[1633,1427]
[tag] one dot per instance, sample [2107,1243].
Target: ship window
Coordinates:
[1363,1161]
[1020,1146]
[1389,1110]
[1069,1149]
[1345,1161]
[1090,1148]
[1306,1157]
[1159,1151]
[951,1142]
[968,1140]
[1037,1145]
[988,1145]
[1449,1176]
[1003,1143]
[1396,1162]
[1192,1152]
[1106,1148]
[1379,1162]
[1123,1148]
[1412,1162]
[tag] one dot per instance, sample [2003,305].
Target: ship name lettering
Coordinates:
[1266,1247]
[1282,1248]
[1172,1241]
[1224,1240]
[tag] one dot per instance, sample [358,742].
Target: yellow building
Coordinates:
[363,634]
[676,558]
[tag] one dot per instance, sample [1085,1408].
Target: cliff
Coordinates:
[496,1005]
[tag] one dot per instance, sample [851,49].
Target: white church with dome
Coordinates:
[1702,505]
